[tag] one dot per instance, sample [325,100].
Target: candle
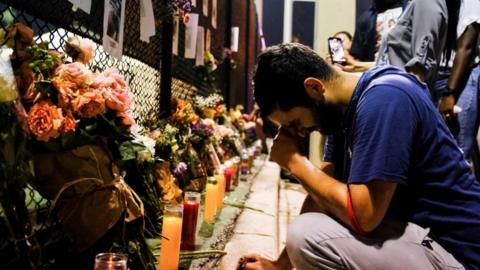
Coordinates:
[191,203]
[110,261]
[211,200]
[244,166]
[228,177]
[236,166]
[172,231]
[221,187]
[258,147]
[251,158]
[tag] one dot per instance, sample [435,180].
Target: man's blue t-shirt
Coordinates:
[394,133]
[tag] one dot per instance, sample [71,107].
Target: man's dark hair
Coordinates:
[280,74]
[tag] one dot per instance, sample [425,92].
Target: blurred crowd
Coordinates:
[439,42]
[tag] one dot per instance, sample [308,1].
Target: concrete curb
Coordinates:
[255,231]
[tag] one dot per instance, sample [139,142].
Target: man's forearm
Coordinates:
[369,201]
[329,195]
[461,64]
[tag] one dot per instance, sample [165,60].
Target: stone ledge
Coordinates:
[256,231]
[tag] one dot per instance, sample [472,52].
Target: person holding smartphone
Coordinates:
[343,39]
[337,52]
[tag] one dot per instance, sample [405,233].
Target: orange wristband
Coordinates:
[351,215]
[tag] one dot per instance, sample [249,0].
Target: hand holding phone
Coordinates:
[335,48]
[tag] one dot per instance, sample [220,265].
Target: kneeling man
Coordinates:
[401,195]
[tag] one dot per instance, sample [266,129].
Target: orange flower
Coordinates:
[219,109]
[89,103]
[69,123]
[45,120]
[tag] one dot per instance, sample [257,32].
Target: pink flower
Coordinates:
[118,99]
[45,120]
[89,103]
[116,93]
[72,76]
[110,78]
[69,123]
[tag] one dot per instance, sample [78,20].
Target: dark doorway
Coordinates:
[303,23]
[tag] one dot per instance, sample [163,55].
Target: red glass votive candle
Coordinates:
[191,204]
[228,178]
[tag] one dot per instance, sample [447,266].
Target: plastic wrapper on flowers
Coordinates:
[89,193]
[166,182]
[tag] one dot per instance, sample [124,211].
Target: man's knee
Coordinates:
[307,233]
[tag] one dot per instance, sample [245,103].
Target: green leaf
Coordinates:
[128,150]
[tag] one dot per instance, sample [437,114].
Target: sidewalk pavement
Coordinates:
[264,231]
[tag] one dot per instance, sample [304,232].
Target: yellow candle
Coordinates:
[221,188]
[211,200]
[172,231]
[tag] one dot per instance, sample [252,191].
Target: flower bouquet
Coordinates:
[168,149]
[209,107]
[227,138]
[79,127]
[192,171]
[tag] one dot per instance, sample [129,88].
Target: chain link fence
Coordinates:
[185,70]
[55,21]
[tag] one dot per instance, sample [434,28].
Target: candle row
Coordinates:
[179,227]
[180,221]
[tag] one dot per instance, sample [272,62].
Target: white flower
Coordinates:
[8,87]
[149,143]
[208,102]
[209,122]
[224,131]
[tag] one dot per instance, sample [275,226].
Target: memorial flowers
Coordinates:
[80,138]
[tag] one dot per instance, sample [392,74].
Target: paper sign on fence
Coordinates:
[113,26]
[191,31]
[85,5]
[147,20]
[200,47]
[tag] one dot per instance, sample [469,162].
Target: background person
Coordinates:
[459,85]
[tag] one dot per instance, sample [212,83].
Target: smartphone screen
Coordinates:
[335,47]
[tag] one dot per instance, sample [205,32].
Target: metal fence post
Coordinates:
[166,67]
